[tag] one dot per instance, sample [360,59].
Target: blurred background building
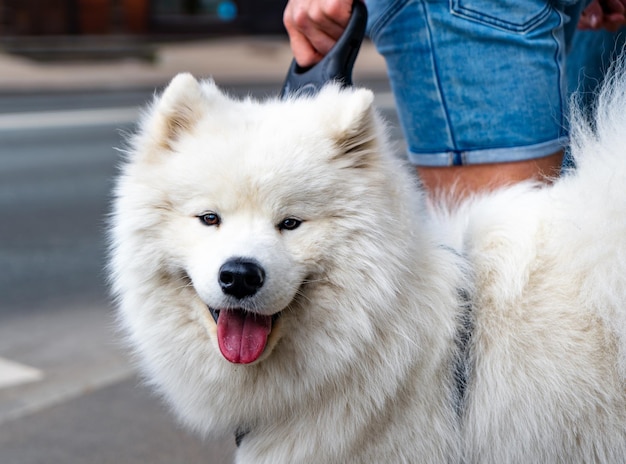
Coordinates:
[101,17]
[52,29]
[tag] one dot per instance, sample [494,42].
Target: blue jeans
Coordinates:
[477,81]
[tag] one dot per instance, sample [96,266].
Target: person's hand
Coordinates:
[314,26]
[604,14]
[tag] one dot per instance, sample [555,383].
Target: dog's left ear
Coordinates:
[177,111]
[355,128]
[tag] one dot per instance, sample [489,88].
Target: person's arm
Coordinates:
[314,26]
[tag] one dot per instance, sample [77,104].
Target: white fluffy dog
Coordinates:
[280,278]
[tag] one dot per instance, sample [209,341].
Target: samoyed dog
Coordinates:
[281,278]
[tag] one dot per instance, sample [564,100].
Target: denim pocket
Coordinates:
[519,16]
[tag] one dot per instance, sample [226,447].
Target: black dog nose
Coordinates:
[240,277]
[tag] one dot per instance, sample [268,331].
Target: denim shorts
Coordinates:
[477,81]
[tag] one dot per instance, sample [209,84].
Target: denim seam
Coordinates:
[385,18]
[498,23]
[489,155]
[561,74]
[437,74]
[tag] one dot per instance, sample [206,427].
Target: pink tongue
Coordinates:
[242,335]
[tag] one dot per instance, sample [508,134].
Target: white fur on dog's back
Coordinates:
[597,192]
[365,367]
[549,341]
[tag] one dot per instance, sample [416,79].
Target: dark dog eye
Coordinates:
[209,219]
[289,224]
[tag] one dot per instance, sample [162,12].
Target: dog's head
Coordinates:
[246,205]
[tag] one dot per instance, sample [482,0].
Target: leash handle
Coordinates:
[336,65]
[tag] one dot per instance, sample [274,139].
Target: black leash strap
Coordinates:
[336,65]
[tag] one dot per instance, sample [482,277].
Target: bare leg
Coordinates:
[461,181]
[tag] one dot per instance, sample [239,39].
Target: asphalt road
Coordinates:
[68,392]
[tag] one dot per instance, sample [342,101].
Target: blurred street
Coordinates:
[68,392]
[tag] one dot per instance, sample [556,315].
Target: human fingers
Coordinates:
[614,14]
[591,17]
[314,26]
[303,51]
[612,6]
[613,22]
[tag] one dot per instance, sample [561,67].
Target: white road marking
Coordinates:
[68,118]
[76,350]
[12,373]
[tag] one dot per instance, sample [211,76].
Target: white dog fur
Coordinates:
[376,292]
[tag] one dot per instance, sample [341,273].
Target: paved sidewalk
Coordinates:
[228,60]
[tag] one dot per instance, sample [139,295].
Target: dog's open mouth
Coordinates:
[242,335]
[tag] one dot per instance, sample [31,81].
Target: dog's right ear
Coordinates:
[354,126]
[177,110]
